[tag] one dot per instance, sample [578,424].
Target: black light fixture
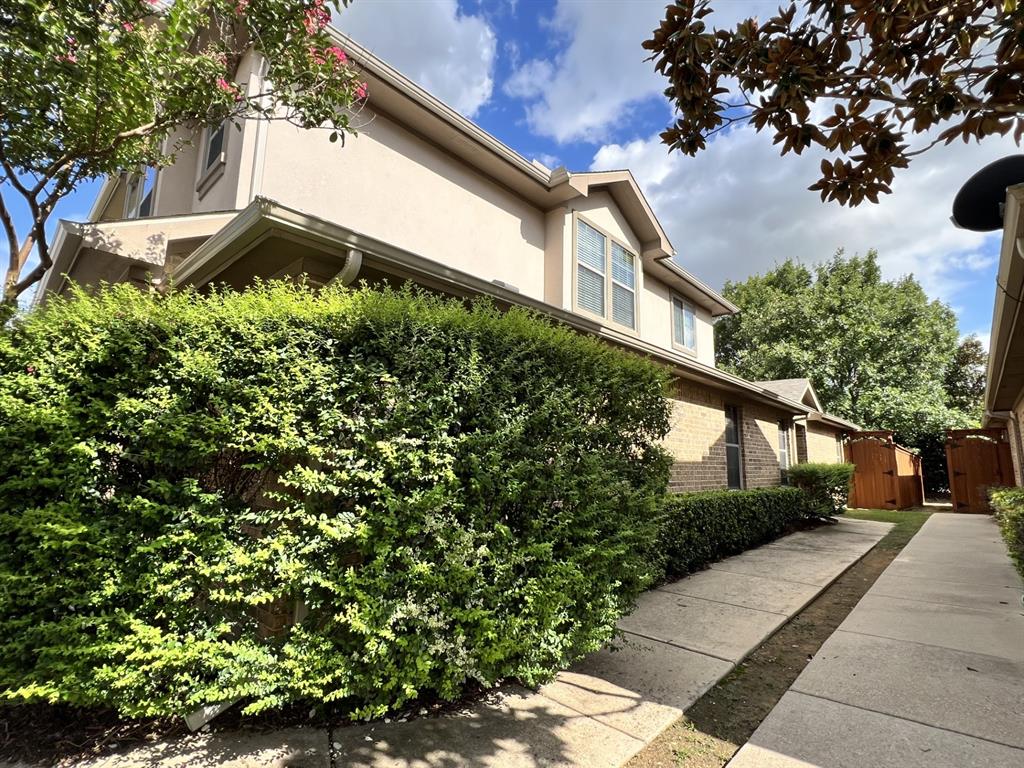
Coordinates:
[978,205]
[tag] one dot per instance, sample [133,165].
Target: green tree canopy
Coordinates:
[886,70]
[92,88]
[879,352]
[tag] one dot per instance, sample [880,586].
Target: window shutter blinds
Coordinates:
[590,245]
[623,286]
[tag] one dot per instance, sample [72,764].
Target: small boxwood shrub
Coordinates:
[1008,504]
[439,494]
[700,528]
[826,485]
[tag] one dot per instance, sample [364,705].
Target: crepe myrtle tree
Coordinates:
[96,87]
[858,78]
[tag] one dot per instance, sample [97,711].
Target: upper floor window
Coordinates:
[139,191]
[605,273]
[214,146]
[212,156]
[684,324]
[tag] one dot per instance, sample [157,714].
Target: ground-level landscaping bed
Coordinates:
[714,728]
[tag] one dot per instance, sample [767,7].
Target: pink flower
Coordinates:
[29,369]
[240,6]
[316,18]
[128,26]
[337,53]
[361,91]
[153,3]
[227,87]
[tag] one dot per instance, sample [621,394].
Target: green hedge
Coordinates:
[1008,504]
[446,493]
[700,528]
[826,485]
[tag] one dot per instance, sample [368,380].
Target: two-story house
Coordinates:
[423,194]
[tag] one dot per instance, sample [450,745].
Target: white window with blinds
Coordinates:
[684,324]
[606,276]
[783,446]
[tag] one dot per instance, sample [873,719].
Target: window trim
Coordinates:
[784,432]
[208,175]
[609,281]
[739,447]
[672,297]
[133,195]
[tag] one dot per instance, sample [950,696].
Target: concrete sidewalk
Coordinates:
[927,670]
[680,641]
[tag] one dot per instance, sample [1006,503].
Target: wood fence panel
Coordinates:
[977,459]
[874,481]
[888,476]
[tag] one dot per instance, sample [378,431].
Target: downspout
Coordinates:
[259,154]
[350,269]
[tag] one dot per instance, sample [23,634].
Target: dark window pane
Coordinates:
[216,146]
[732,461]
[731,427]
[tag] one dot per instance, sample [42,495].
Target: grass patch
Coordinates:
[908,522]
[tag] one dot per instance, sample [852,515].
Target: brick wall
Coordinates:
[696,440]
[761,445]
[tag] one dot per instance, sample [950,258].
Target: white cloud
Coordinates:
[586,90]
[738,208]
[453,53]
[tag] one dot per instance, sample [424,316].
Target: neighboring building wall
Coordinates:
[1016,442]
[696,440]
[821,444]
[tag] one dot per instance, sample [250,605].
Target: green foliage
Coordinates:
[172,65]
[965,377]
[1008,504]
[450,493]
[827,485]
[700,528]
[878,352]
[858,80]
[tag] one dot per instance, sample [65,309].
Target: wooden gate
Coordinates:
[887,476]
[977,459]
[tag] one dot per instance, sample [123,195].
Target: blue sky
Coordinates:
[565,82]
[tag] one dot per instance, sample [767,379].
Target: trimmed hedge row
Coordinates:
[700,528]
[1008,504]
[439,493]
[826,485]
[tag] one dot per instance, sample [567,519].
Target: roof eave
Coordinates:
[232,241]
[1006,309]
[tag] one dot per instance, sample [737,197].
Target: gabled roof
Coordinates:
[794,389]
[802,391]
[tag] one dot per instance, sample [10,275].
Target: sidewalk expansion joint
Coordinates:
[909,720]
[734,662]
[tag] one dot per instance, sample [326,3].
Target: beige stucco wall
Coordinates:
[696,439]
[656,321]
[389,184]
[821,443]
